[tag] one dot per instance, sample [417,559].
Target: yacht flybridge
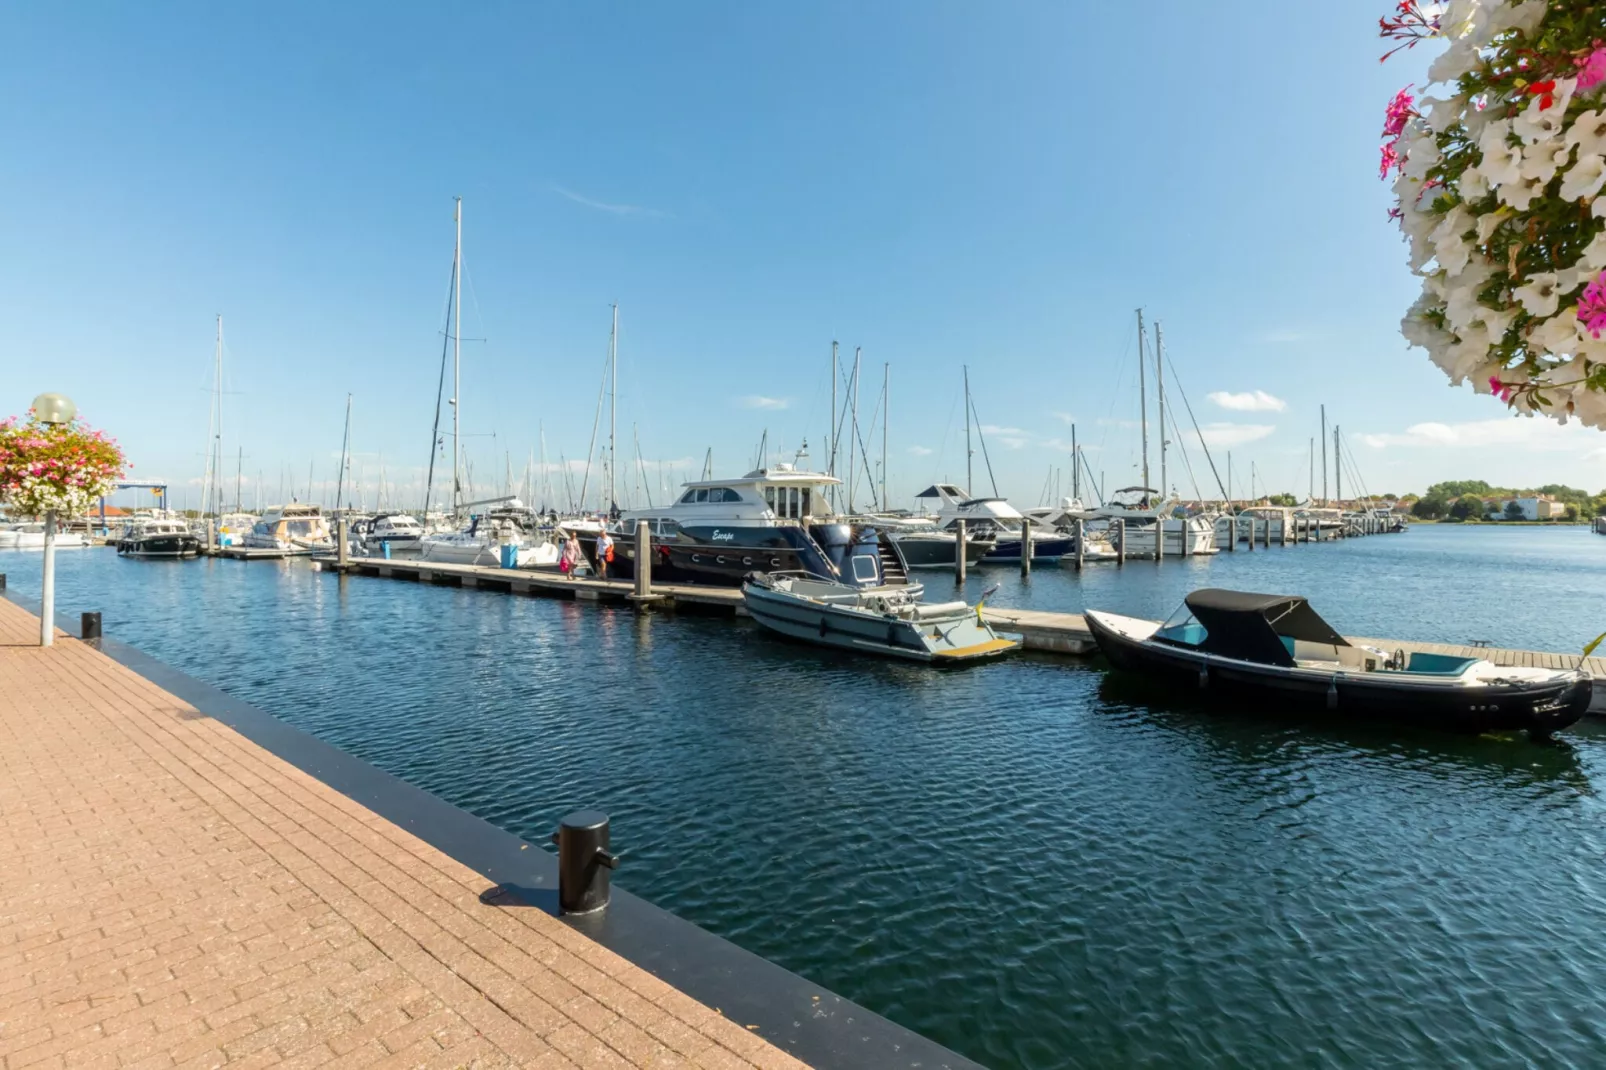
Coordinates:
[773,519]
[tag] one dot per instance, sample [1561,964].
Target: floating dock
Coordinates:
[1047,632]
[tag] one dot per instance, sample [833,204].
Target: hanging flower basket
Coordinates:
[60,467]
[1499,174]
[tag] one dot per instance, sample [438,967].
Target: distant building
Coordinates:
[1540,507]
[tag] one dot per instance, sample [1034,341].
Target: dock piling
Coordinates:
[1081,539]
[1251,532]
[1232,534]
[89,626]
[1120,540]
[1025,546]
[343,543]
[584,862]
[959,552]
[643,565]
[211,536]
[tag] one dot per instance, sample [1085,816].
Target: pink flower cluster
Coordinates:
[1592,306]
[1399,112]
[1503,391]
[1592,68]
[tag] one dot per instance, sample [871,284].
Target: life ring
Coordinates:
[720,560]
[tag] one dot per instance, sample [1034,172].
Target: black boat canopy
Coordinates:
[1249,626]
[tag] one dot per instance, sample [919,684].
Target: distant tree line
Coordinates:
[1465,499]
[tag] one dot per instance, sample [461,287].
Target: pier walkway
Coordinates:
[174,895]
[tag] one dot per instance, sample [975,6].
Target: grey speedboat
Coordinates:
[885,620]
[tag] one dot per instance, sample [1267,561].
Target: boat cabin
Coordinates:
[777,494]
[947,503]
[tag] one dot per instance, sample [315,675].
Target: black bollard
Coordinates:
[584,864]
[90,626]
[2,581]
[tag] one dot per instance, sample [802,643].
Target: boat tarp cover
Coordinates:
[1242,624]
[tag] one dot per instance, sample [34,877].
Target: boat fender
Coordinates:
[823,627]
[1204,676]
[720,560]
[747,561]
[1332,693]
[775,562]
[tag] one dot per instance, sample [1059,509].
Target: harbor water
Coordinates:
[1028,861]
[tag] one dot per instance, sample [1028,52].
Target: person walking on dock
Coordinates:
[604,553]
[572,555]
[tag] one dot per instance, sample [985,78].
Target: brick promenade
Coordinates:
[172,895]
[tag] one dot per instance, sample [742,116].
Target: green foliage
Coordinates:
[1467,507]
[1571,512]
[1432,507]
[1514,511]
[1287,500]
[1457,488]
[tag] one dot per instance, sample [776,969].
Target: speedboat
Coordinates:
[1275,648]
[32,537]
[507,536]
[1063,518]
[994,516]
[291,529]
[1147,516]
[392,533]
[158,538]
[924,545]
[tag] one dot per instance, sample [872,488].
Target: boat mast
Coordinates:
[345,459]
[886,404]
[457,354]
[1159,397]
[1076,473]
[1143,405]
[1324,455]
[1310,455]
[853,472]
[239,462]
[1338,469]
[613,412]
[969,453]
[831,458]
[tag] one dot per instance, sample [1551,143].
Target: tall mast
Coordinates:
[1143,403]
[1324,455]
[1338,468]
[886,405]
[1076,470]
[853,437]
[830,469]
[239,462]
[345,458]
[968,451]
[613,411]
[1159,397]
[457,354]
[1310,488]
[217,445]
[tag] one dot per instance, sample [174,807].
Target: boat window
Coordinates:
[864,567]
[690,496]
[723,494]
[1181,627]
[769,498]
[702,494]
[807,506]
[668,527]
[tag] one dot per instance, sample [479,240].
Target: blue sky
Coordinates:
[942,184]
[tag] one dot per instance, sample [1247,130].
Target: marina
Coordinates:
[1093,764]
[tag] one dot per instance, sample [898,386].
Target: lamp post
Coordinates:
[51,410]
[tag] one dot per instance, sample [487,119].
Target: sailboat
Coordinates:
[508,535]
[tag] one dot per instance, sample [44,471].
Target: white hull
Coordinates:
[35,540]
[457,549]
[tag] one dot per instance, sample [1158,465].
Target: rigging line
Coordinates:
[440,391]
[1182,447]
[1177,381]
[864,456]
[596,421]
[982,438]
[1092,481]
[1121,370]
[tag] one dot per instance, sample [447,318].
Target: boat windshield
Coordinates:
[1182,627]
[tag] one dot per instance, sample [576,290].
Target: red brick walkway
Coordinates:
[172,895]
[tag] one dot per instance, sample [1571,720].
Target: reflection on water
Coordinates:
[1028,861]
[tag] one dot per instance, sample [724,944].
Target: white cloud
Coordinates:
[921,451]
[1248,401]
[1226,435]
[990,429]
[1527,432]
[1064,417]
[759,401]
[605,206]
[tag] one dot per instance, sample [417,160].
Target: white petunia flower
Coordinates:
[1593,256]
[1539,125]
[1473,186]
[1502,161]
[1557,334]
[1540,162]
[1490,222]
[1538,295]
[1521,193]
[1421,155]
[1584,178]
[1588,132]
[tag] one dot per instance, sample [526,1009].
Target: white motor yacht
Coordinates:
[397,531]
[291,529]
[506,536]
[32,537]
[1143,512]
[946,504]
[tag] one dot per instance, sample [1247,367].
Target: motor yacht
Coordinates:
[154,537]
[945,504]
[392,533]
[1144,512]
[507,535]
[291,529]
[31,536]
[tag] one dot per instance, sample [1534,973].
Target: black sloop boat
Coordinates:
[1276,647]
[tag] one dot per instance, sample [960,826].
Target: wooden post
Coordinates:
[1232,533]
[211,536]
[1251,532]
[959,552]
[1025,546]
[342,542]
[1159,538]
[643,562]
[1266,535]
[1081,542]
[1120,540]
[1286,519]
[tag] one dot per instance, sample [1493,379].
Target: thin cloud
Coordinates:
[1248,401]
[1227,435]
[921,451]
[606,206]
[1064,417]
[1534,434]
[991,429]
[759,401]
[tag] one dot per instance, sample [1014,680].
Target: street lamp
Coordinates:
[50,410]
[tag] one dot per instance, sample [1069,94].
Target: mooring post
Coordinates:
[1232,533]
[959,552]
[1025,546]
[584,862]
[2,581]
[1081,541]
[342,542]
[1120,540]
[1251,531]
[643,564]
[1283,531]
[89,626]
